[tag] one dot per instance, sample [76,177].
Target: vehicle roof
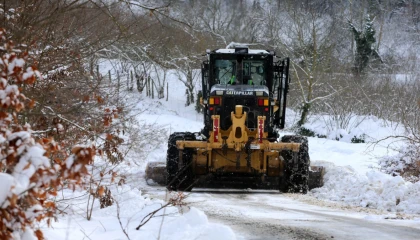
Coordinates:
[250,51]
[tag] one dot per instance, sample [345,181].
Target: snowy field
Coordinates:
[352,180]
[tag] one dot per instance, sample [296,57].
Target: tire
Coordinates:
[295,180]
[179,179]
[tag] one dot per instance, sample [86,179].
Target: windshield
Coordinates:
[253,72]
[225,71]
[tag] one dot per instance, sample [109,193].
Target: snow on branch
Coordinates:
[30,172]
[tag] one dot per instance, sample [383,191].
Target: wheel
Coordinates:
[295,180]
[179,179]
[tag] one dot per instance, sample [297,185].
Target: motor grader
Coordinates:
[244,95]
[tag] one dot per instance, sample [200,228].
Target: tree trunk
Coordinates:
[304,114]
[190,87]
[187,95]
[152,85]
[191,96]
[167,91]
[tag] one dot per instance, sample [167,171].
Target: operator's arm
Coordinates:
[232,80]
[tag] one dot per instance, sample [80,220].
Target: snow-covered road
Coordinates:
[272,215]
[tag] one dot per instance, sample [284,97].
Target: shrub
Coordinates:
[358,139]
[405,164]
[309,133]
[31,171]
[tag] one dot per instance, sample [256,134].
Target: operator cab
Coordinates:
[240,66]
[247,77]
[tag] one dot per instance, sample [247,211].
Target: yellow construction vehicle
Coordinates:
[244,98]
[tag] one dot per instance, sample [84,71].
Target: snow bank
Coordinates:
[172,223]
[373,190]
[353,174]
[347,128]
[195,225]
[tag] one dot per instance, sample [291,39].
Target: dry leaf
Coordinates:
[101,191]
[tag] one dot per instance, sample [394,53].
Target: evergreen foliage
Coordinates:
[365,45]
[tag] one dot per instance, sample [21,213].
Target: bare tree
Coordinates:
[312,50]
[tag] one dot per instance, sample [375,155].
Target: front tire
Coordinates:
[179,178]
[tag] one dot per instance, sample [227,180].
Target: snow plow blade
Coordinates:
[156,175]
[316,177]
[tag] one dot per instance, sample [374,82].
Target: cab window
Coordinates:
[254,71]
[224,71]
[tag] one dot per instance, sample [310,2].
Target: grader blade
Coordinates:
[316,177]
[156,173]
